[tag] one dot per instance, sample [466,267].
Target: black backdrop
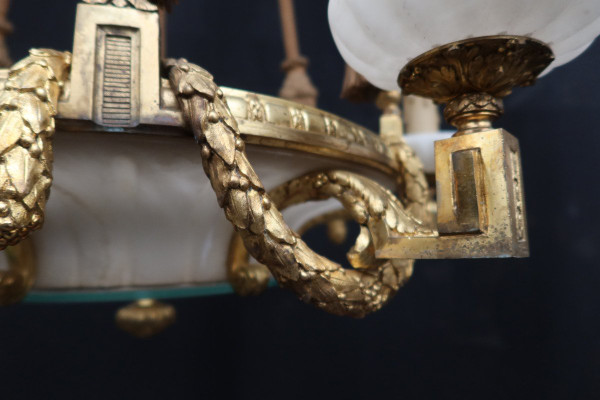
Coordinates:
[460,329]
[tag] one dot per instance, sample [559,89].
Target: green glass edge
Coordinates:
[129,295]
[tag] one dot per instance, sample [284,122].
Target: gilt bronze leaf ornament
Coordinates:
[255,215]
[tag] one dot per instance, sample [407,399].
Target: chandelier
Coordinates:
[108,129]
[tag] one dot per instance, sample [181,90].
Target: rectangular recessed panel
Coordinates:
[116,90]
[468,190]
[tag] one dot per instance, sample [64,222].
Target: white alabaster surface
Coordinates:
[420,115]
[423,145]
[378,37]
[137,211]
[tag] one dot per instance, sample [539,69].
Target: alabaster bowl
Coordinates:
[132,213]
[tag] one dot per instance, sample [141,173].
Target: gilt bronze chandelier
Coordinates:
[108,129]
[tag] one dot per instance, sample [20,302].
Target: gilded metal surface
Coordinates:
[20,276]
[480,204]
[480,198]
[256,218]
[28,106]
[473,112]
[116,85]
[245,277]
[271,121]
[390,121]
[480,209]
[490,64]
[412,183]
[145,318]
[469,214]
[249,278]
[413,188]
[116,69]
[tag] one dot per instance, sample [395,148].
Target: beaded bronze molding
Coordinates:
[268,120]
[275,122]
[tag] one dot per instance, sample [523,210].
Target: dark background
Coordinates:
[485,329]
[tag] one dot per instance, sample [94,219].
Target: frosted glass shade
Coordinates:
[378,37]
